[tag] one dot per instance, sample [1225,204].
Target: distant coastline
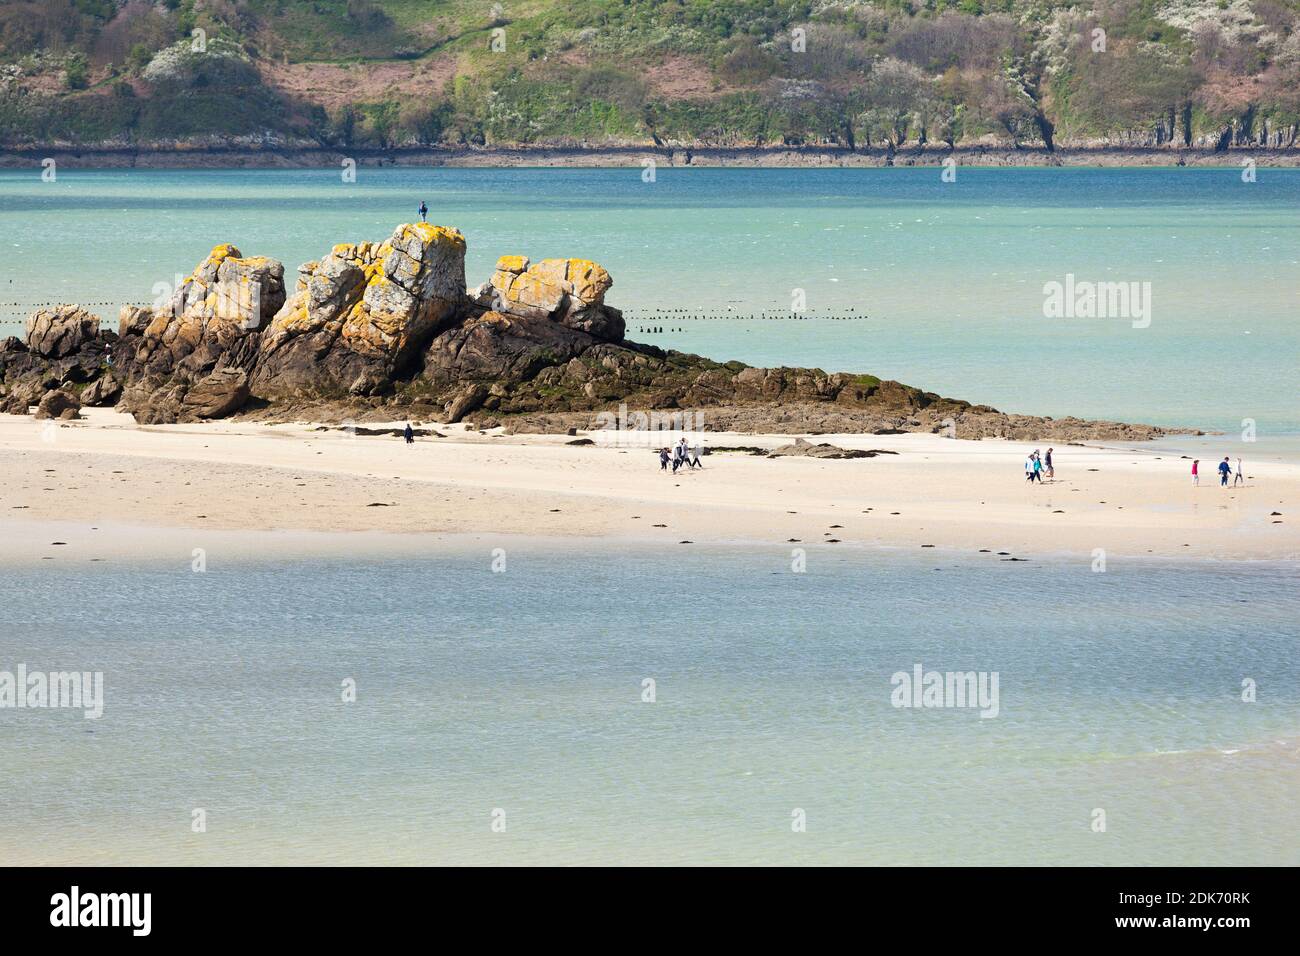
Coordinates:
[249,156]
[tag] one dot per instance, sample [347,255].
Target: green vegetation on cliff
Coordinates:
[855,73]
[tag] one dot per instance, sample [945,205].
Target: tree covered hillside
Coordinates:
[853,73]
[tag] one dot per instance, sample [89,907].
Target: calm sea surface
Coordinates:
[936,284]
[522,692]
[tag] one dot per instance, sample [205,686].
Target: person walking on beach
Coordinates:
[1029,469]
[1224,471]
[695,457]
[409,434]
[1051,472]
[1196,473]
[1238,478]
[663,459]
[424,212]
[1038,466]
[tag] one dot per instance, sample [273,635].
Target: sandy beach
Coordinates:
[145,490]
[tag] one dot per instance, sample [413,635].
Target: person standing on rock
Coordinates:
[409,434]
[424,212]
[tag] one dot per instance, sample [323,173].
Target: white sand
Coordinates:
[126,480]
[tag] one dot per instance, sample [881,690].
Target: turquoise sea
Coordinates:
[523,692]
[935,284]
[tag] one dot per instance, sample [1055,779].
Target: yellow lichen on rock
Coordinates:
[553,287]
[515,264]
[224,298]
[588,280]
[581,278]
[226,250]
[379,300]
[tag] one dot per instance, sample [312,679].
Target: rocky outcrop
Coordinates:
[378,330]
[65,349]
[105,390]
[19,399]
[802,448]
[216,396]
[163,401]
[61,331]
[204,337]
[362,314]
[58,404]
[212,316]
[494,347]
[568,291]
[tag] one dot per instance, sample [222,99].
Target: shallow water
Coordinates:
[938,285]
[521,691]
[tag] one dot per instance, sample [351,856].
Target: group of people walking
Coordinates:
[1039,467]
[1225,472]
[680,456]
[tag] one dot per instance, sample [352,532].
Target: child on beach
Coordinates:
[663,459]
[1224,471]
[1196,473]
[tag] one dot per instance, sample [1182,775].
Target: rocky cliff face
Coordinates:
[383,330]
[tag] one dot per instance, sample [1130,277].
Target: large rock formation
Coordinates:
[360,315]
[208,330]
[65,349]
[212,314]
[380,330]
